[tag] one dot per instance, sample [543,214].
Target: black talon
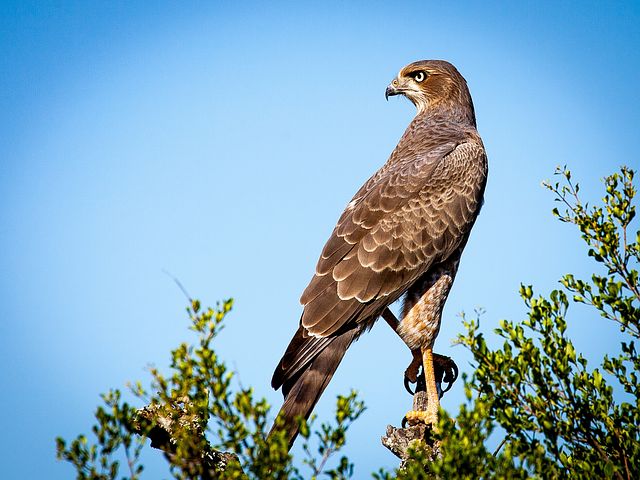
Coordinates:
[420,382]
[404,422]
[450,376]
[407,386]
[446,371]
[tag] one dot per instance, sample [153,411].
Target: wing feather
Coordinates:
[405,221]
[410,215]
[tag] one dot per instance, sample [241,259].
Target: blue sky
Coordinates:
[221,141]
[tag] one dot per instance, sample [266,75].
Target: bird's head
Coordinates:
[431,85]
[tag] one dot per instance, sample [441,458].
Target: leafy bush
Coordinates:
[205,427]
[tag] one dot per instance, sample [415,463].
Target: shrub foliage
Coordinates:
[536,408]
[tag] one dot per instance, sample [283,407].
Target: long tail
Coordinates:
[302,391]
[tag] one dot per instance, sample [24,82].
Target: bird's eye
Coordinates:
[419,76]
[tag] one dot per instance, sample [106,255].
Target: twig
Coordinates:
[180,286]
[504,440]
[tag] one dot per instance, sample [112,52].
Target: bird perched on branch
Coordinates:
[402,234]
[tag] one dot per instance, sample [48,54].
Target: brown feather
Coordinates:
[319,285]
[304,390]
[412,215]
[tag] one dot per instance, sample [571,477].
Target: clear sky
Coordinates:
[221,141]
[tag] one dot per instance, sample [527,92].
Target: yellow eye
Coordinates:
[419,76]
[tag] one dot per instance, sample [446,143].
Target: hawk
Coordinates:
[402,234]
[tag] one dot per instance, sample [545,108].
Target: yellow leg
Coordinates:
[430,415]
[430,382]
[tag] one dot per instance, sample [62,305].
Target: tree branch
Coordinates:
[401,440]
[203,462]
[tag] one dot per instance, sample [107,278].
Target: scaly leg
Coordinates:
[430,415]
[422,314]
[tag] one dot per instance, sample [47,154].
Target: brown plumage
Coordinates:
[403,230]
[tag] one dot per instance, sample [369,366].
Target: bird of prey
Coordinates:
[402,234]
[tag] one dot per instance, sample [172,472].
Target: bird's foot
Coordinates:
[427,417]
[446,371]
[413,375]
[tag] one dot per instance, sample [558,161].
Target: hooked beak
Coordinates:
[391,90]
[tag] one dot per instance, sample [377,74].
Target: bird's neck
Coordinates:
[448,112]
